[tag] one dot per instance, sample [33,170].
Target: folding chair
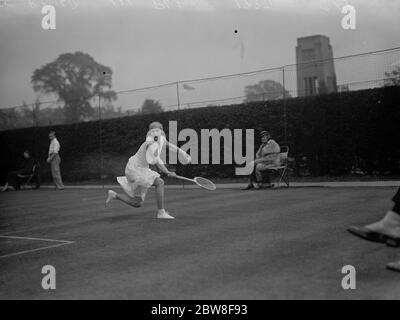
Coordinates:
[282,168]
[27,178]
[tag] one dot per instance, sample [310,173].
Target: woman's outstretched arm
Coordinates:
[178,150]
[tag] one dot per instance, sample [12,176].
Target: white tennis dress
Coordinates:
[138,176]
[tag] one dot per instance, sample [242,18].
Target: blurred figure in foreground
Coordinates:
[386,230]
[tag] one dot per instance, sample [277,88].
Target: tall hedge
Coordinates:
[327,135]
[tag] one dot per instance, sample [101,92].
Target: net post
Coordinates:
[101,144]
[177,95]
[284,105]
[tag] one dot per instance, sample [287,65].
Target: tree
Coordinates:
[393,77]
[26,119]
[108,112]
[265,90]
[8,118]
[151,106]
[75,78]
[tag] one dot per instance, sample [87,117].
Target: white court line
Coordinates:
[60,243]
[23,230]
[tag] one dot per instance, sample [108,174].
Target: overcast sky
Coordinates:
[145,44]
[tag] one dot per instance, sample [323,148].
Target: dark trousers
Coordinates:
[12,178]
[396,200]
[265,176]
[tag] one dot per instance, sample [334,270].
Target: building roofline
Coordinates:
[313,36]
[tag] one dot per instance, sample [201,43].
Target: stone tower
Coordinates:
[315,66]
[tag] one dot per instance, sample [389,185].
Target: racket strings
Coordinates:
[205,183]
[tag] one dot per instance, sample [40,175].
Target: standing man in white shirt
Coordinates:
[54,160]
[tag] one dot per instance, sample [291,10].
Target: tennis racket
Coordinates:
[201,182]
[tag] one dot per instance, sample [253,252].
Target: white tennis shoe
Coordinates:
[111,196]
[164,215]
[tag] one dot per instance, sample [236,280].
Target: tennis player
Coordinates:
[138,175]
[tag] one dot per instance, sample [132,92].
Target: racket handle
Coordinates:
[184,178]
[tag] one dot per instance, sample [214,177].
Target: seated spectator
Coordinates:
[26,168]
[266,156]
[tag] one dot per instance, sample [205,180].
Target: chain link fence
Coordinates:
[93,148]
[349,73]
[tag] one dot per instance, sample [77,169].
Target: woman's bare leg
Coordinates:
[159,184]
[134,202]
[161,214]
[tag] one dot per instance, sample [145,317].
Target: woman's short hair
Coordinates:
[156,125]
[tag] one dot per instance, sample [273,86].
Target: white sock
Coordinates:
[161,211]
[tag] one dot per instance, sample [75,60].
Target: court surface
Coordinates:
[228,244]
